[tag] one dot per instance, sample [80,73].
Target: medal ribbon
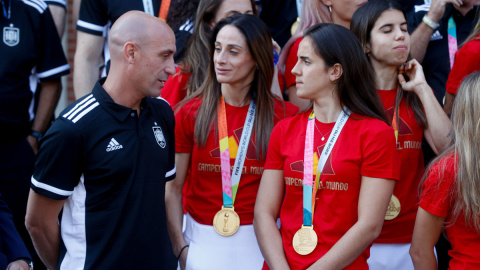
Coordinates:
[395,124]
[309,189]
[394,119]
[230,183]
[164,7]
[452,40]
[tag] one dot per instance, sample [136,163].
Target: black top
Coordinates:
[436,63]
[182,36]
[96,16]
[406,4]
[279,15]
[30,44]
[111,165]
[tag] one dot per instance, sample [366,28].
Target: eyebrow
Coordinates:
[168,51]
[303,57]
[229,45]
[236,11]
[391,24]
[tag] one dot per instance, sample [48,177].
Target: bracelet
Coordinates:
[430,23]
[36,135]
[181,250]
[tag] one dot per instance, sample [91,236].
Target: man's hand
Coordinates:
[18,265]
[437,8]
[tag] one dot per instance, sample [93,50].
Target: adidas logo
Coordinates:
[113,145]
[436,36]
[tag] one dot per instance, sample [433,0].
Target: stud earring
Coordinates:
[330,9]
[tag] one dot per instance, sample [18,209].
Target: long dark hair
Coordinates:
[196,57]
[356,87]
[259,41]
[361,25]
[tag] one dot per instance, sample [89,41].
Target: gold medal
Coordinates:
[226,222]
[305,240]
[393,209]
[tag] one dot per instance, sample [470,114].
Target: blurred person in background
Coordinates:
[313,11]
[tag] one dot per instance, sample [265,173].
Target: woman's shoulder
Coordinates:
[284,110]
[293,123]
[369,124]
[440,176]
[444,168]
[190,107]
[472,46]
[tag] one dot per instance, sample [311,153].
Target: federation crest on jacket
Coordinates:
[11,35]
[157,131]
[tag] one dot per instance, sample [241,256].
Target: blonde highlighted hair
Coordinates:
[465,145]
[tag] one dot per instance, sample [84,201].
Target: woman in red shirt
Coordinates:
[467,61]
[451,191]
[413,111]
[346,142]
[221,138]
[193,69]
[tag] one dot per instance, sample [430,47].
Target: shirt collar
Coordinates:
[118,111]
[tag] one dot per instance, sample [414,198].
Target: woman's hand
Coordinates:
[439,125]
[414,71]
[183,259]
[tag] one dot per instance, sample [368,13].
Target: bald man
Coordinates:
[106,160]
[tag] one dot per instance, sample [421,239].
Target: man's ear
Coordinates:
[129,52]
[335,72]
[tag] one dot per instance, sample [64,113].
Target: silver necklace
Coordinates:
[323,136]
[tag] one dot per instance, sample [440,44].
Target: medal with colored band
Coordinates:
[164,7]
[226,222]
[395,124]
[305,239]
[452,40]
[394,205]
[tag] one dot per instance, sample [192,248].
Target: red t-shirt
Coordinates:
[290,79]
[175,88]
[409,146]
[437,198]
[467,61]
[366,146]
[204,196]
